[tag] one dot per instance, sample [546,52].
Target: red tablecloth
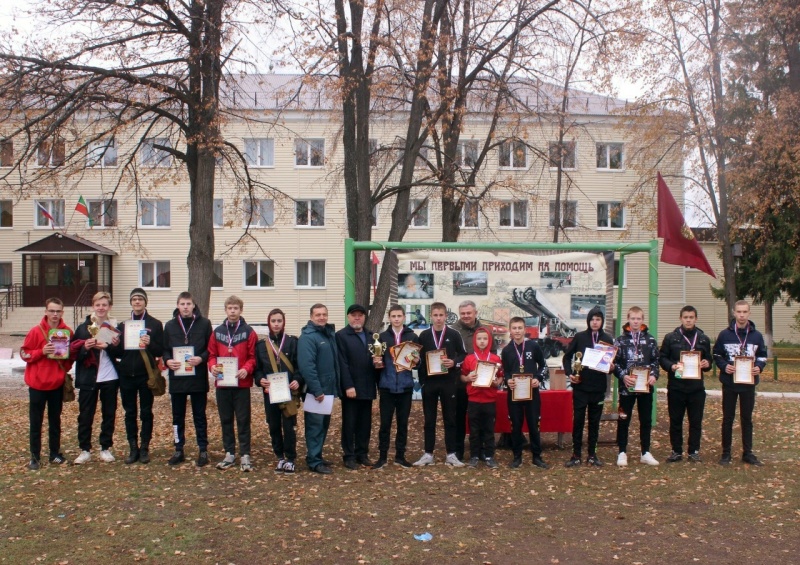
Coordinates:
[556,413]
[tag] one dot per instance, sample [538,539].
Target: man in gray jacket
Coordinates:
[317,360]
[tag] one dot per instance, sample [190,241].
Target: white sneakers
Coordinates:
[106,456]
[229,460]
[622,460]
[648,459]
[426,459]
[84,457]
[453,461]
[244,463]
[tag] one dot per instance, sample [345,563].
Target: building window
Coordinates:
[466,154]
[51,154]
[55,208]
[154,213]
[102,213]
[624,275]
[259,152]
[259,212]
[217,281]
[470,214]
[102,153]
[5,274]
[154,274]
[610,215]
[609,156]
[259,274]
[218,216]
[155,152]
[310,212]
[513,154]
[514,214]
[418,212]
[6,214]
[6,153]
[309,274]
[566,156]
[569,213]
[309,152]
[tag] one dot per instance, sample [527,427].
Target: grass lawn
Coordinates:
[680,513]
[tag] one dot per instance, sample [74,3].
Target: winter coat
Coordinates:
[532,361]
[647,347]
[591,380]
[243,342]
[263,365]
[318,359]
[130,364]
[199,334]
[87,361]
[390,379]
[452,344]
[727,347]
[475,393]
[674,343]
[356,369]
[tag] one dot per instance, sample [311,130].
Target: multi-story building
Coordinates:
[291,253]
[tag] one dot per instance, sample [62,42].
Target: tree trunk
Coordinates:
[769,336]
[200,261]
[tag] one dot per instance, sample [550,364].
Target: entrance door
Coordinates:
[66,275]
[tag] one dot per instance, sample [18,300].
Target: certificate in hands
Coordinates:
[133,333]
[743,370]
[108,331]
[434,362]
[690,361]
[230,366]
[599,358]
[59,337]
[486,373]
[523,389]
[404,355]
[642,375]
[279,390]
[183,354]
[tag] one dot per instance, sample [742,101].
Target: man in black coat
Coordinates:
[132,371]
[188,374]
[359,379]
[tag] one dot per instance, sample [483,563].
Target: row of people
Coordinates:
[327,363]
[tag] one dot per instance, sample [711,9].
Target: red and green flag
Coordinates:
[82,208]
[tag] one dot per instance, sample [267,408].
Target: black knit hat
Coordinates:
[138,292]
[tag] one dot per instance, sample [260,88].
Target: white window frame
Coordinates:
[566,144]
[10,204]
[413,204]
[564,204]
[258,213]
[154,203]
[310,263]
[48,204]
[218,206]
[100,152]
[264,157]
[512,145]
[462,217]
[512,208]
[257,286]
[609,227]
[309,202]
[303,146]
[624,274]
[155,264]
[103,202]
[607,145]
[221,264]
[461,152]
[51,145]
[152,157]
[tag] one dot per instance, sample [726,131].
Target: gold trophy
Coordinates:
[577,366]
[93,328]
[377,349]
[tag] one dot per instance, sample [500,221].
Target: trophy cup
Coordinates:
[93,328]
[377,349]
[577,366]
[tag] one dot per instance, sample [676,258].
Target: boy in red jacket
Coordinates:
[481,399]
[45,379]
[234,339]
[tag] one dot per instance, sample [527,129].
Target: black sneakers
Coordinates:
[539,462]
[516,463]
[751,459]
[574,461]
[725,459]
[594,461]
[177,458]
[674,457]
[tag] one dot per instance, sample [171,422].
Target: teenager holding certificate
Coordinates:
[637,353]
[441,356]
[740,340]
[395,387]
[96,380]
[186,338]
[523,362]
[478,367]
[135,353]
[275,355]
[685,354]
[588,388]
[233,343]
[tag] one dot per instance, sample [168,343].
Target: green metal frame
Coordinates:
[649,247]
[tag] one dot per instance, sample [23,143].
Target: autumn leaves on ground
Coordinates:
[679,513]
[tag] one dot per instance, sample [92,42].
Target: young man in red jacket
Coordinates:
[481,408]
[234,338]
[45,379]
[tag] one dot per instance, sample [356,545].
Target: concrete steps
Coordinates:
[20,320]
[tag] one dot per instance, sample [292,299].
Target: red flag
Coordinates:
[375,259]
[680,246]
[375,262]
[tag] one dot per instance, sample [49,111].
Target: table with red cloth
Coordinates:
[556,413]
